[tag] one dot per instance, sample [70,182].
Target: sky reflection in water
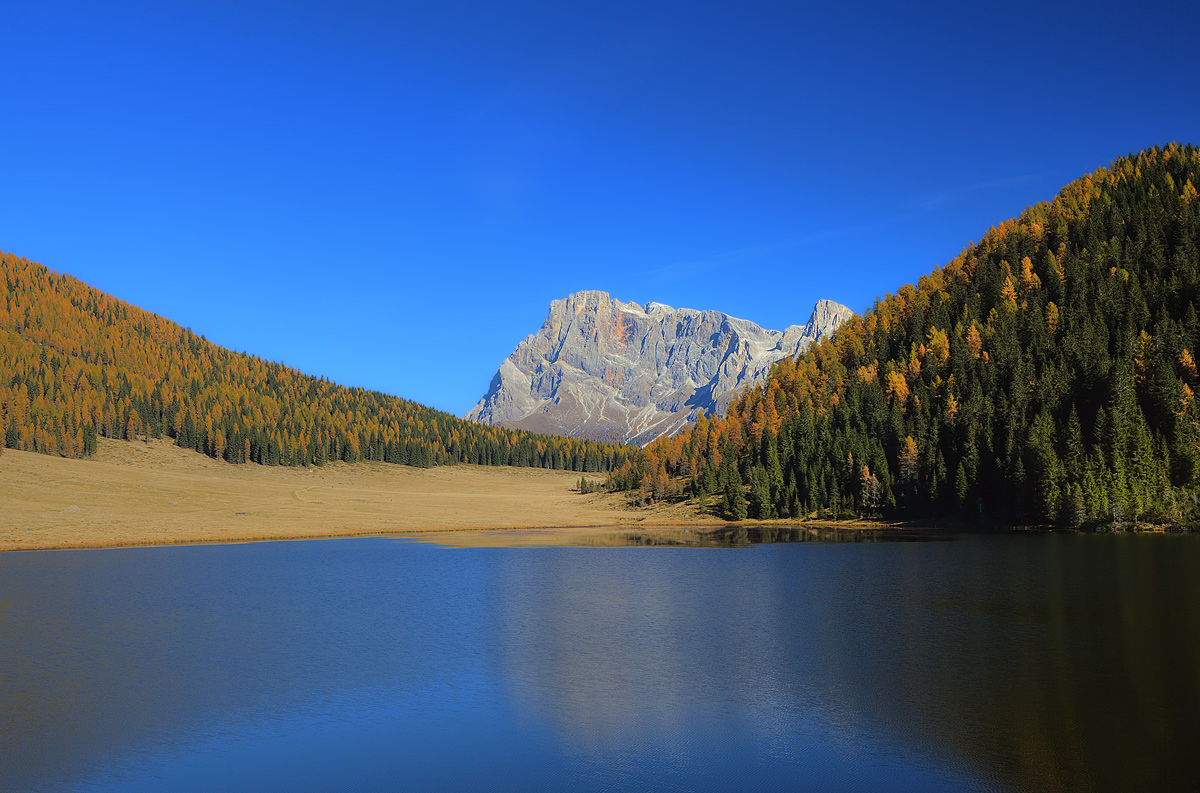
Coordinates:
[1049,662]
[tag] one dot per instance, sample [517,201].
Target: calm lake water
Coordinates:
[1022,663]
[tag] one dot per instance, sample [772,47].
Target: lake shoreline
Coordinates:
[616,535]
[137,494]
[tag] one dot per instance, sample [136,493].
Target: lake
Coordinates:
[1021,662]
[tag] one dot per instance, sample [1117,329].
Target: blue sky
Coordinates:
[391,194]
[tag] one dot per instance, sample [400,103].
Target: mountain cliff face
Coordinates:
[606,370]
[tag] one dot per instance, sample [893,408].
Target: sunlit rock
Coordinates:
[602,369]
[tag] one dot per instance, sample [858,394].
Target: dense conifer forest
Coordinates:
[1045,376]
[77,364]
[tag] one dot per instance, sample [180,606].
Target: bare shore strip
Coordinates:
[136,493]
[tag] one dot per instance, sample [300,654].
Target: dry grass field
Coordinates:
[135,493]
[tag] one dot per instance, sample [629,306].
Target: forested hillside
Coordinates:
[1044,376]
[76,364]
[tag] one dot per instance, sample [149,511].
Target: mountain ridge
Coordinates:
[77,364]
[604,369]
[1044,376]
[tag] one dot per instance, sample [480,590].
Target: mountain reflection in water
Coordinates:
[1013,662]
[704,536]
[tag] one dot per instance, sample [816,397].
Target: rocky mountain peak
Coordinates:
[608,370]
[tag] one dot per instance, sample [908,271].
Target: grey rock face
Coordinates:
[606,370]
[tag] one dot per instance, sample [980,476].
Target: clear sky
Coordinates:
[390,194]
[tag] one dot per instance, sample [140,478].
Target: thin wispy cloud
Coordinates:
[753,253]
[764,251]
[942,197]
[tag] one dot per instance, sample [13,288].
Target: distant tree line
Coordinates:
[1044,376]
[77,364]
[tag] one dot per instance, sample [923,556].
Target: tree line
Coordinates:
[77,364]
[1046,375]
